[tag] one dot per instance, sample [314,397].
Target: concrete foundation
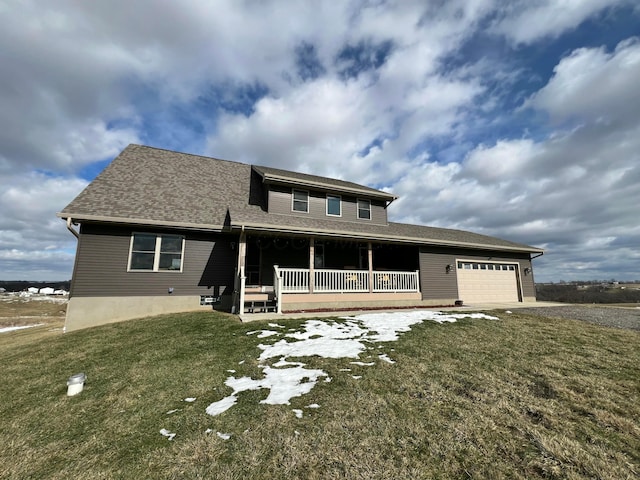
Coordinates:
[84,312]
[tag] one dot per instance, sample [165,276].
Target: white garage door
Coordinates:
[487,282]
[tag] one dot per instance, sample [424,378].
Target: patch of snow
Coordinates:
[313,405]
[297,412]
[231,371]
[275,325]
[173,411]
[208,430]
[328,339]
[190,399]
[264,333]
[356,377]
[224,436]
[216,408]
[166,433]
[13,329]
[508,311]
[385,358]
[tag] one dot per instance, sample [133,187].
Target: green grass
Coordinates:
[523,397]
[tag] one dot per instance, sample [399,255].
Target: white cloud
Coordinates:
[34,243]
[526,21]
[595,85]
[504,161]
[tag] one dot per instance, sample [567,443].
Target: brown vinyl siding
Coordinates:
[103,252]
[280,201]
[436,283]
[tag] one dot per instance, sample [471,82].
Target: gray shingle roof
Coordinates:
[154,186]
[151,186]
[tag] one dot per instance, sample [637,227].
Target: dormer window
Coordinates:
[334,205]
[300,201]
[364,209]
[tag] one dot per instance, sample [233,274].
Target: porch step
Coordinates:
[255,306]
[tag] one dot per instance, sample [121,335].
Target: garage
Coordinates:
[487,282]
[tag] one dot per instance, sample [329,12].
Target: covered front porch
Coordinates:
[281,274]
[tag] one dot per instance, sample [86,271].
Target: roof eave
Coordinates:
[79,218]
[282,180]
[395,238]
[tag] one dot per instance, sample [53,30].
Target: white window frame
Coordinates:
[293,200]
[358,200]
[463,264]
[330,195]
[156,253]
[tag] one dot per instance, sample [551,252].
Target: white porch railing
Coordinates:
[339,281]
[396,281]
[296,280]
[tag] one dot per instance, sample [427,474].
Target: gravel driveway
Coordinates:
[617,317]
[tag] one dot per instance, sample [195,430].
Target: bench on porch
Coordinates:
[259,299]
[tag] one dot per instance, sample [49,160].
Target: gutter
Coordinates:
[70,228]
[142,221]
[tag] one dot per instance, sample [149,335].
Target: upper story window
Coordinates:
[300,201]
[364,209]
[155,253]
[334,205]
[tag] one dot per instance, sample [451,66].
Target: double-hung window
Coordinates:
[334,205]
[155,253]
[300,201]
[364,209]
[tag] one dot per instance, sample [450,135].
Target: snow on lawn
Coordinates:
[324,338]
[12,329]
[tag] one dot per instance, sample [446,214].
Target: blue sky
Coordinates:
[514,119]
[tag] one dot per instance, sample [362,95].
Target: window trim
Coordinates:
[358,200]
[156,253]
[467,264]
[339,197]
[293,200]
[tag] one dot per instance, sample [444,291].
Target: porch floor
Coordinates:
[252,317]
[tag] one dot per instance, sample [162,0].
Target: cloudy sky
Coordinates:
[519,121]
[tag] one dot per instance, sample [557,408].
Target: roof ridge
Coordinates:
[185,153]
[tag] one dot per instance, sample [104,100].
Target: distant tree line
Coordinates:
[586,293]
[20,285]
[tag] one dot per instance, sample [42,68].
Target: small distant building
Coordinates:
[2,290]
[32,290]
[60,292]
[46,291]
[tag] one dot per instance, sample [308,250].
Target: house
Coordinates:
[163,231]
[46,291]
[33,290]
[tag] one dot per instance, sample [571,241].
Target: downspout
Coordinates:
[70,228]
[531,258]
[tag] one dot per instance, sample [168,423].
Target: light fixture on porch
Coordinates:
[527,271]
[448,268]
[233,245]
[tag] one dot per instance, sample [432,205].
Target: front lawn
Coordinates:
[519,397]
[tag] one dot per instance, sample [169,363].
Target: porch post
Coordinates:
[370,262]
[312,262]
[242,253]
